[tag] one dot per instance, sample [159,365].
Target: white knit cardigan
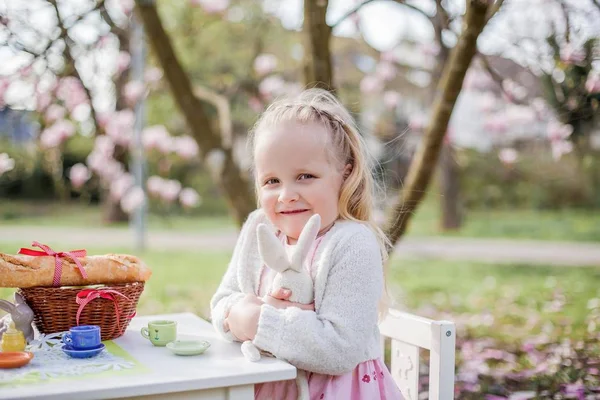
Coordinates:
[342,331]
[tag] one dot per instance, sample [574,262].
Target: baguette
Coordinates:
[23,271]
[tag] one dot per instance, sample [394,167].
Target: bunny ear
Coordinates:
[19,298]
[305,241]
[271,250]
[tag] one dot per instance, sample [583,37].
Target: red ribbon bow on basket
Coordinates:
[58,256]
[87,295]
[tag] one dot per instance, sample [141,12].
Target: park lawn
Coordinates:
[185,281]
[568,225]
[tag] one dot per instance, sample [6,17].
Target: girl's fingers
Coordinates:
[281,294]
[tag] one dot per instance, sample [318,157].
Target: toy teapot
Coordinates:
[20,314]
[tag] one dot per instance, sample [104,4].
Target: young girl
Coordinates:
[310,159]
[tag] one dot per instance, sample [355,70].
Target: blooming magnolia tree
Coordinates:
[60,70]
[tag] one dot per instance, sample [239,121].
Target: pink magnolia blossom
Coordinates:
[104,145]
[4,85]
[185,147]
[520,115]
[255,104]
[123,61]
[42,101]
[391,99]
[121,185]
[154,185]
[557,131]
[6,163]
[54,113]
[560,147]
[71,91]
[127,6]
[25,71]
[476,79]
[540,106]
[430,49]
[514,90]
[386,71]
[496,123]
[119,127]
[79,175]
[571,55]
[388,56]
[56,134]
[592,84]
[417,122]
[265,64]
[103,41]
[488,102]
[132,200]
[211,6]
[271,86]
[508,156]
[153,75]
[189,198]
[170,190]
[371,84]
[215,160]
[157,137]
[133,92]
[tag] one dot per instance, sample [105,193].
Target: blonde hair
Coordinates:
[347,146]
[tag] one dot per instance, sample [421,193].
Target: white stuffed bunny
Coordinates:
[291,275]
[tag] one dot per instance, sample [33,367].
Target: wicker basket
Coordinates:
[55,308]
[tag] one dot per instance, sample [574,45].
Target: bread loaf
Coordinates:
[23,271]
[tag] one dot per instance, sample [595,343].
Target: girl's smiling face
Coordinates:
[296,176]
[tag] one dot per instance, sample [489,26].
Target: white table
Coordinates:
[220,373]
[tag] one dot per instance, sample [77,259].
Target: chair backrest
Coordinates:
[409,333]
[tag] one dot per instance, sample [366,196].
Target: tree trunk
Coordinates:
[449,174]
[232,181]
[450,188]
[449,87]
[318,71]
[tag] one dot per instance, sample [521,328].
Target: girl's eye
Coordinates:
[305,176]
[271,181]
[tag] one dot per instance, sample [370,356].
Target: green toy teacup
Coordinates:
[160,332]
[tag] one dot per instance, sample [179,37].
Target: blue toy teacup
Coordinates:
[83,337]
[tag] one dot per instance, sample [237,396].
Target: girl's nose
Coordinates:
[288,195]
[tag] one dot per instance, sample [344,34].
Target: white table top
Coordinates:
[222,365]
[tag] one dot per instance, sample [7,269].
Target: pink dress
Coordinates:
[369,380]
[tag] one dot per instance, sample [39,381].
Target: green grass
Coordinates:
[27,213]
[185,281]
[569,225]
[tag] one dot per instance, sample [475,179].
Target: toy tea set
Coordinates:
[90,298]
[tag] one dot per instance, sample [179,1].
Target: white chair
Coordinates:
[408,334]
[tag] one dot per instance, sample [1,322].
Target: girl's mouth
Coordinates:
[293,212]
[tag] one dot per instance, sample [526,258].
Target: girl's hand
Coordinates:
[279,299]
[243,316]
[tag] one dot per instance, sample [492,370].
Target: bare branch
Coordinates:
[565,11]
[417,9]
[495,7]
[596,3]
[70,61]
[349,13]
[221,103]
[365,2]
[498,79]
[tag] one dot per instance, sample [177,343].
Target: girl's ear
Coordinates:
[347,171]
